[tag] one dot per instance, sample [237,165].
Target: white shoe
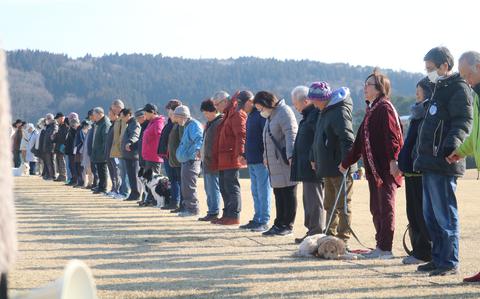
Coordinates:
[411,260]
[111,194]
[379,254]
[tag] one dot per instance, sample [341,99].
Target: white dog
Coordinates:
[326,247]
[23,170]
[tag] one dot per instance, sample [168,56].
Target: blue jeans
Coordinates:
[212,189]
[261,192]
[124,185]
[174,177]
[441,218]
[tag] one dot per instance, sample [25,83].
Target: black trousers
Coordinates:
[49,166]
[422,248]
[79,171]
[102,176]
[132,170]
[93,168]
[73,169]
[230,189]
[3,286]
[286,206]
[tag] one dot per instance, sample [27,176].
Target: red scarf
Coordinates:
[366,137]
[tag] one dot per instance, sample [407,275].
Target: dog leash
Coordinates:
[345,210]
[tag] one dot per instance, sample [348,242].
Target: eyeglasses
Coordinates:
[219,102]
[369,84]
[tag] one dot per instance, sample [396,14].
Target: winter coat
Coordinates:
[447,124]
[471,145]
[60,138]
[191,141]
[119,128]
[301,169]
[282,125]
[151,137]
[48,144]
[209,139]
[32,140]
[230,139]
[70,141]
[99,154]
[79,145]
[39,143]
[334,136]
[407,154]
[143,127]
[89,140]
[173,143]
[386,141]
[17,139]
[131,137]
[163,142]
[109,142]
[254,139]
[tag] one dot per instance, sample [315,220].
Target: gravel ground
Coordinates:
[148,253]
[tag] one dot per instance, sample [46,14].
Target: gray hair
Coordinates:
[118,103]
[49,116]
[98,110]
[220,95]
[300,93]
[472,58]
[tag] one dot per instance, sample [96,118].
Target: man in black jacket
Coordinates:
[333,140]
[59,139]
[447,123]
[301,168]
[130,151]
[48,146]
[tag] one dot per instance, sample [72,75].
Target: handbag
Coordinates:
[282,150]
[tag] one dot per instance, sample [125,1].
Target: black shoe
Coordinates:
[177,210]
[443,272]
[251,224]
[170,207]
[300,240]
[131,199]
[208,218]
[428,267]
[260,228]
[284,232]
[99,191]
[272,231]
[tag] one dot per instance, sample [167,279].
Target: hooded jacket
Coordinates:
[131,137]
[254,140]
[99,140]
[150,140]
[448,122]
[191,141]
[333,134]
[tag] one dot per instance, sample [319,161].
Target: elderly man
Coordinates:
[119,127]
[130,151]
[188,154]
[469,67]
[99,156]
[446,125]
[301,169]
[229,151]
[48,146]
[59,139]
[333,140]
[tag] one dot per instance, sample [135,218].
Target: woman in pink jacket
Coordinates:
[151,137]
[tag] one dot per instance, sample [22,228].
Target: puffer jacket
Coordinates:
[448,122]
[99,142]
[333,135]
[150,140]
[131,137]
[191,141]
[282,125]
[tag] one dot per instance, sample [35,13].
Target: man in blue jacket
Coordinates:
[188,154]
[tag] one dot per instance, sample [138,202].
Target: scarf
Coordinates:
[418,110]
[366,136]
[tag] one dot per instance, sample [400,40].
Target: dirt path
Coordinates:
[148,253]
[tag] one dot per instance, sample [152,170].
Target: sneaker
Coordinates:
[272,231]
[284,232]
[444,271]
[379,254]
[228,221]
[208,218]
[474,278]
[249,225]
[176,211]
[119,197]
[411,260]
[187,214]
[260,228]
[170,207]
[111,194]
[428,267]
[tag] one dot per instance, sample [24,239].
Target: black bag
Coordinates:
[35,152]
[282,150]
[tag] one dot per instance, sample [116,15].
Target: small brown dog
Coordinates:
[326,247]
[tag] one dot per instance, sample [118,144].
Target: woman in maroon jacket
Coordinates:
[379,140]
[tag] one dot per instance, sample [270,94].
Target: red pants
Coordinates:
[382,207]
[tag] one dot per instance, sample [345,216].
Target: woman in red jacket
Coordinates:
[379,140]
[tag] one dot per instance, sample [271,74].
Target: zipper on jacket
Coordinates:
[419,140]
[435,146]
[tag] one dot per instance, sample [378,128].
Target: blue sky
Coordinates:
[390,34]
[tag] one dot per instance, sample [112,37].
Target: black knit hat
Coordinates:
[59,114]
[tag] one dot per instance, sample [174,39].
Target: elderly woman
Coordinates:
[379,141]
[279,139]
[32,136]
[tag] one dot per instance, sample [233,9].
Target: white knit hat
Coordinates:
[182,111]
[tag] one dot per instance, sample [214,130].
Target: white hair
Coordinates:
[118,103]
[300,93]
[472,58]
[220,95]
[49,116]
[98,110]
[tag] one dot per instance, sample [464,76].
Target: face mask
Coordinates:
[433,76]
[265,114]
